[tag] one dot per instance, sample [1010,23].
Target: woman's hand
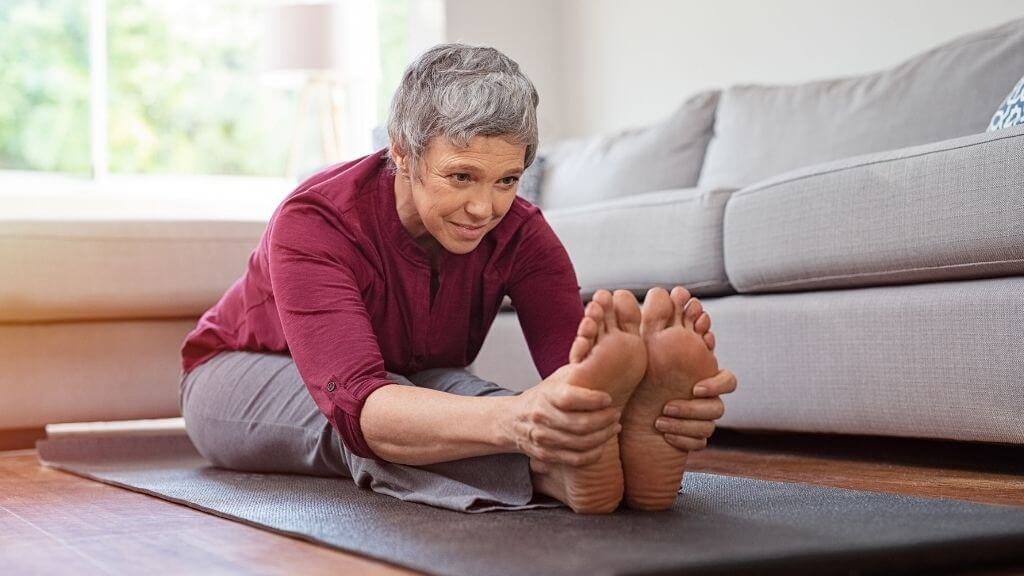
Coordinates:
[687,424]
[556,422]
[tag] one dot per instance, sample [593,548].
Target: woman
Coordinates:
[341,350]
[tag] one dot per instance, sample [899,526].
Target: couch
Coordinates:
[857,241]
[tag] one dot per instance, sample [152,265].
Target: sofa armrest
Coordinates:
[947,210]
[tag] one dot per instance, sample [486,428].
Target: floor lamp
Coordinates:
[302,49]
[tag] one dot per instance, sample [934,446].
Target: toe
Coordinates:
[680,296]
[581,347]
[604,298]
[709,339]
[692,312]
[703,323]
[595,312]
[657,311]
[586,335]
[627,311]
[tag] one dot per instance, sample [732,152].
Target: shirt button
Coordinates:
[332,386]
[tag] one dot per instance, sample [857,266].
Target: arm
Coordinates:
[546,295]
[331,339]
[563,423]
[552,422]
[322,314]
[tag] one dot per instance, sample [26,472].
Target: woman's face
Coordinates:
[460,194]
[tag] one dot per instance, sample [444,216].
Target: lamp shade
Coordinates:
[302,38]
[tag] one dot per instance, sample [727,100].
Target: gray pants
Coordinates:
[251,411]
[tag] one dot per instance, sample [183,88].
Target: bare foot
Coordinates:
[678,356]
[608,354]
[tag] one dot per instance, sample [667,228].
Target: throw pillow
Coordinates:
[529,182]
[663,156]
[943,93]
[1011,113]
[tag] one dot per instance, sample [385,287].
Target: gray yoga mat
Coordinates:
[719,524]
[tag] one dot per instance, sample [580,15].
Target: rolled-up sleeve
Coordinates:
[546,295]
[314,271]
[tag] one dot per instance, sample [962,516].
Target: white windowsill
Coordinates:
[41,196]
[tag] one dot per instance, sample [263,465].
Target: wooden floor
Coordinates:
[52,522]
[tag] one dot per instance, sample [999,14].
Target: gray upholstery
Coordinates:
[660,157]
[948,210]
[659,238]
[946,92]
[934,360]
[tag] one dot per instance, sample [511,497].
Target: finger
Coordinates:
[696,409]
[691,428]
[722,383]
[557,440]
[578,398]
[686,443]
[581,423]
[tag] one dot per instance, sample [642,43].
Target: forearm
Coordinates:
[419,426]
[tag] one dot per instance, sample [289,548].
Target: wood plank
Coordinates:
[55,522]
[991,474]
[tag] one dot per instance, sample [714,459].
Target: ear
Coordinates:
[398,157]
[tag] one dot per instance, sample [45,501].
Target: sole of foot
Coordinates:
[673,328]
[608,354]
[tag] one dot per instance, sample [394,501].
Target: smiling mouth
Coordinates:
[467,227]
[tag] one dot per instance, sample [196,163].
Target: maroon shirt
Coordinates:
[338,283]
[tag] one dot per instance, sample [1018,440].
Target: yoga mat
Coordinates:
[719,524]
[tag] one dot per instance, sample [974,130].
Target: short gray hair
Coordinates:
[459,91]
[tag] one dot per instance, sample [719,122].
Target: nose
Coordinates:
[479,209]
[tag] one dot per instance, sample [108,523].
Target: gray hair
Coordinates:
[458,91]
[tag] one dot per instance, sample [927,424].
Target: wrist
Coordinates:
[504,414]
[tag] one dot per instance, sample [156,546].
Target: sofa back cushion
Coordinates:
[667,155]
[946,92]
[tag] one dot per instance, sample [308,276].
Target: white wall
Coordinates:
[607,64]
[529,32]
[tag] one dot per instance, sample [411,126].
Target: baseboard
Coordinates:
[20,438]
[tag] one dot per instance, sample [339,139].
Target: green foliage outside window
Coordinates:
[184,94]
[44,85]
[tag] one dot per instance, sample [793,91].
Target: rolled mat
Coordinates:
[719,524]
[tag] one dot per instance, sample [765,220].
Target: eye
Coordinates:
[509,180]
[461,177]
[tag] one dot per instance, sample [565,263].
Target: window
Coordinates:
[175,88]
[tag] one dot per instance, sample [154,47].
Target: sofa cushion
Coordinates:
[947,92]
[941,211]
[664,156]
[936,360]
[138,254]
[655,239]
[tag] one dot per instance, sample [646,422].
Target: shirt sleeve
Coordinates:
[323,316]
[546,295]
